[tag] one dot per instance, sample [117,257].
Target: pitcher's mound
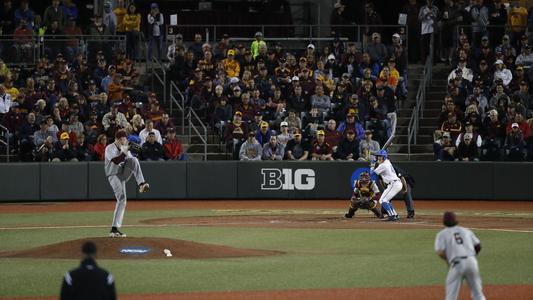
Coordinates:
[135,248]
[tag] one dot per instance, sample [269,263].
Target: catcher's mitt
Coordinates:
[363,202]
[135,149]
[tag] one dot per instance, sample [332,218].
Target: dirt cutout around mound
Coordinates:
[362,220]
[138,248]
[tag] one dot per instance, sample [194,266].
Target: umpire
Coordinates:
[408,184]
[88,281]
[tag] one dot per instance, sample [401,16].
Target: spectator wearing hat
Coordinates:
[92,93]
[257,44]
[444,149]
[273,150]
[284,135]
[152,149]
[264,133]
[223,111]
[311,121]
[367,146]
[82,149]
[501,72]
[479,100]
[88,280]
[234,134]
[321,150]
[467,150]
[155,30]
[522,124]
[231,65]
[293,120]
[75,125]
[297,148]
[132,28]
[251,149]
[338,17]
[348,148]
[376,49]
[43,134]
[452,125]
[515,144]
[367,63]
[525,58]
[63,149]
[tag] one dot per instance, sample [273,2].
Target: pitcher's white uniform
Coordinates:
[458,243]
[119,167]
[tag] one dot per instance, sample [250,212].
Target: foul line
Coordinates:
[238,223]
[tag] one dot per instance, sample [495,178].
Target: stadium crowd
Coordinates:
[487,113]
[265,102]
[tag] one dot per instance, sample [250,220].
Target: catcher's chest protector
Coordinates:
[365,191]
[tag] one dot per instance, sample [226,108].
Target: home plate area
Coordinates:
[138,248]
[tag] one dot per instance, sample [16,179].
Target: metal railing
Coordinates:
[418,110]
[38,46]
[159,73]
[192,117]
[179,102]
[6,141]
[290,33]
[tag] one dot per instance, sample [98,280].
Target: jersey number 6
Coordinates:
[458,238]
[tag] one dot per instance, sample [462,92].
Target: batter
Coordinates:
[458,246]
[120,164]
[392,182]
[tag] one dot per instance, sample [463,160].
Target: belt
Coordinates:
[457,260]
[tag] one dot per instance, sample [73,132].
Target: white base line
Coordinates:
[235,223]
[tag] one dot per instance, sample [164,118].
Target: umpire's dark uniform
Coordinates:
[88,282]
[408,198]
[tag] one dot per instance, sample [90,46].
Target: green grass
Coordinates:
[315,258]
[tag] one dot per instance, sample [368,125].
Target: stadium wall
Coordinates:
[260,180]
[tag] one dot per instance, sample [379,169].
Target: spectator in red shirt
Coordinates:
[173,147]
[99,147]
[333,137]
[522,124]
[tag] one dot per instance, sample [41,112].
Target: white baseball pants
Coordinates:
[130,167]
[465,269]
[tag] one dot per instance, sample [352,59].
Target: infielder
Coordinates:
[365,193]
[458,246]
[390,179]
[120,164]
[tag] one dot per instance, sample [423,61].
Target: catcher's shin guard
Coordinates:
[350,213]
[377,212]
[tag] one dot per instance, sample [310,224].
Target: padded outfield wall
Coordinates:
[261,180]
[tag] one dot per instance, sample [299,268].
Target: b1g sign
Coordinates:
[286,179]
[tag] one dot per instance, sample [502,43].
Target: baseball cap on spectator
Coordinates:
[498,62]
[64,136]
[179,36]
[234,80]
[284,124]
[320,132]
[171,130]
[368,131]
[468,123]
[251,133]
[295,78]
[283,60]
[493,112]
[303,59]
[331,57]
[311,46]
[524,37]
[259,33]
[111,67]
[485,38]
[375,35]
[519,68]
[264,124]
[259,113]
[238,113]
[236,88]
[197,70]
[396,35]
[523,82]
[231,52]
[514,125]
[154,5]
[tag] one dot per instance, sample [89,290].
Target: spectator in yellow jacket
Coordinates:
[231,65]
[120,11]
[132,27]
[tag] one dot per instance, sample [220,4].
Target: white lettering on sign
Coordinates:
[287,179]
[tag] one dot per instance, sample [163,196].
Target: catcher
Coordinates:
[364,196]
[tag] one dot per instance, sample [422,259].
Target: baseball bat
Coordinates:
[394,120]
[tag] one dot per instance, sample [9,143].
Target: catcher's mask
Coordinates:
[364,178]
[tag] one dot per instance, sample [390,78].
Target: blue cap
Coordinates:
[381,152]
[154,5]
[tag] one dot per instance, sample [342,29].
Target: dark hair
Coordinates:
[88,248]
[449,219]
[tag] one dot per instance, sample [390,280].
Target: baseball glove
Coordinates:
[363,202]
[135,149]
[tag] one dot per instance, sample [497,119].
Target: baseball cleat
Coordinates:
[116,233]
[348,216]
[391,219]
[144,187]
[410,214]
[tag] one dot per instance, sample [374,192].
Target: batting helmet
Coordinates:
[381,152]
